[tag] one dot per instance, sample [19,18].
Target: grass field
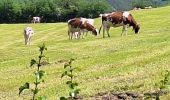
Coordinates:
[129,63]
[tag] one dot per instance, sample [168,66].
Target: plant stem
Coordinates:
[36,81]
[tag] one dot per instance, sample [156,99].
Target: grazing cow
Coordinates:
[90,21]
[36,20]
[28,32]
[80,25]
[149,7]
[117,19]
[136,8]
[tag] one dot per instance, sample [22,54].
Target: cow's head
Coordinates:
[136,28]
[95,32]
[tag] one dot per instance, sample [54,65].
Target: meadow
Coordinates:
[119,63]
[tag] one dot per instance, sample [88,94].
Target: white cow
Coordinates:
[28,33]
[36,20]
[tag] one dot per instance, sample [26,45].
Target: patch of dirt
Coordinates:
[118,96]
[43,63]
[123,96]
[61,61]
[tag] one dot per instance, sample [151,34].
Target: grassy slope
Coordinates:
[132,62]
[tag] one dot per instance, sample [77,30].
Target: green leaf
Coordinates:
[74,93]
[36,83]
[68,82]
[73,85]
[72,59]
[64,74]
[35,91]
[42,47]
[41,56]
[70,75]
[77,91]
[63,98]
[39,74]
[72,69]
[66,65]
[42,98]
[33,61]
[25,86]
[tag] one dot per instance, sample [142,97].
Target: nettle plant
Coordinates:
[165,82]
[163,87]
[38,74]
[74,91]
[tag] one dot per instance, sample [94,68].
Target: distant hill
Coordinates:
[121,4]
[127,4]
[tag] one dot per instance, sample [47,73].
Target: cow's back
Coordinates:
[74,22]
[116,17]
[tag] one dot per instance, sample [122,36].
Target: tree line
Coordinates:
[22,11]
[154,3]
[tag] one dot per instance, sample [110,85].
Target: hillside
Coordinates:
[128,4]
[121,4]
[129,63]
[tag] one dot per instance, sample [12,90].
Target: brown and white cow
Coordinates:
[28,33]
[36,19]
[90,21]
[117,19]
[80,25]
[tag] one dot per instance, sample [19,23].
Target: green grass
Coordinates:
[129,63]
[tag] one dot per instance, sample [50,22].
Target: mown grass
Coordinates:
[129,63]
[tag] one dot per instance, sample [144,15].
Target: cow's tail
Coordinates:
[100,28]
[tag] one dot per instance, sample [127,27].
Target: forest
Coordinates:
[22,11]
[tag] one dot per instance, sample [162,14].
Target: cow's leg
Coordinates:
[71,36]
[68,35]
[107,29]
[29,40]
[25,41]
[126,27]
[83,34]
[123,30]
[104,28]
[86,33]
[25,38]
[78,35]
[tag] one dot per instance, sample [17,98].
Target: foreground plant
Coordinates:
[74,91]
[163,87]
[38,74]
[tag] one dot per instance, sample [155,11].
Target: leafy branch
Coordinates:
[74,91]
[38,74]
[163,85]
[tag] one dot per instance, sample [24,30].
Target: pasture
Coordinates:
[129,63]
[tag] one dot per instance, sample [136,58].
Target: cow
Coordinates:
[36,19]
[117,19]
[80,25]
[90,21]
[28,33]
[149,7]
[136,8]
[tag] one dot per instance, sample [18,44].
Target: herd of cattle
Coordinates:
[77,27]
